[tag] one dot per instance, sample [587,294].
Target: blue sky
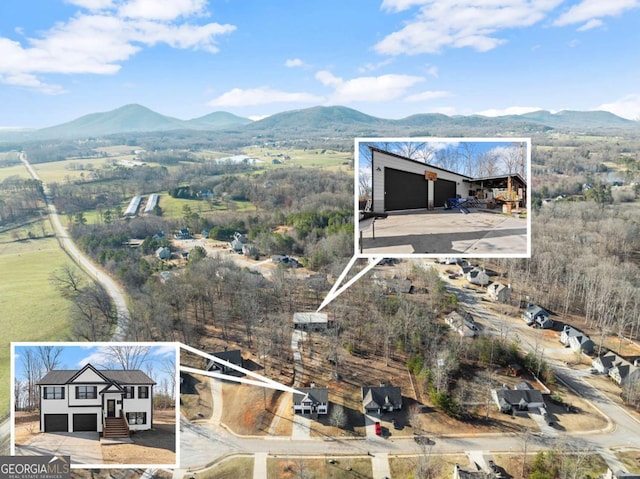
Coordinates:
[60,59]
[77,355]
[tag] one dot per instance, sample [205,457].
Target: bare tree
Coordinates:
[49,356]
[126,357]
[32,370]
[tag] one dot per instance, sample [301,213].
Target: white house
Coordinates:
[312,400]
[477,276]
[111,402]
[576,339]
[499,292]
[463,326]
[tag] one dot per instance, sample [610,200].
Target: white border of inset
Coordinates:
[174,345]
[500,139]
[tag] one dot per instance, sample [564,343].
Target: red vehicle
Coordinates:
[378,428]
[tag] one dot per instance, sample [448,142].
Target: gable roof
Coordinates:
[515,397]
[117,376]
[379,397]
[315,395]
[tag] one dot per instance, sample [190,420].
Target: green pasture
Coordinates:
[17,170]
[67,170]
[31,309]
[173,207]
[312,158]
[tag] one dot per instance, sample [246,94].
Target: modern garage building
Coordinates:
[400,183]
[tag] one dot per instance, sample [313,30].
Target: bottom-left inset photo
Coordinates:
[101,404]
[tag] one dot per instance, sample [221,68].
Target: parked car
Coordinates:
[378,428]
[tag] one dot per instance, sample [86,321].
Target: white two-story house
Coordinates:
[111,402]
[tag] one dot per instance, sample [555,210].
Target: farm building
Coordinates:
[134,204]
[152,203]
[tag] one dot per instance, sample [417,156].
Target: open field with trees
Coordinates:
[32,308]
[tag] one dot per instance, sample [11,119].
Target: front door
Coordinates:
[111,408]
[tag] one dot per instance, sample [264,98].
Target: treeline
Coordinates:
[584,261]
[20,199]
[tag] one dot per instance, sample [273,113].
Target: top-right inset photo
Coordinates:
[431,197]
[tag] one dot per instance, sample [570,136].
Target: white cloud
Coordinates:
[588,10]
[369,67]
[512,110]
[433,71]
[97,43]
[262,96]
[626,107]
[369,89]
[459,23]
[593,23]
[573,43]
[428,96]
[163,10]
[258,117]
[92,4]
[293,62]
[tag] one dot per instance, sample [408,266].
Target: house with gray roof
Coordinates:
[499,292]
[535,315]
[521,398]
[111,402]
[311,400]
[383,398]
[234,357]
[576,339]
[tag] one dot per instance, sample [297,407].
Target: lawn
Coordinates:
[31,308]
[236,467]
[173,207]
[440,466]
[341,468]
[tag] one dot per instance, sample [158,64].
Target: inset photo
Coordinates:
[443,197]
[101,404]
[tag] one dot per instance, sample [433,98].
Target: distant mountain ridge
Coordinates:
[136,118]
[326,120]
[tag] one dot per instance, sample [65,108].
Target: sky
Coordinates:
[61,59]
[78,355]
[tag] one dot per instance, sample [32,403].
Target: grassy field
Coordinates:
[66,170]
[305,158]
[17,170]
[234,468]
[31,309]
[173,207]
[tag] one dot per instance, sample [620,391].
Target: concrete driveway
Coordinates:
[82,447]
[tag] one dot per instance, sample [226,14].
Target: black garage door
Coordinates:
[444,189]
[404,190]
[56,423]
[85,422]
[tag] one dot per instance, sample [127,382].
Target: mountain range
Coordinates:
[330,120]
